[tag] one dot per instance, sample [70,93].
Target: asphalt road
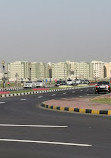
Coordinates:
[27,130]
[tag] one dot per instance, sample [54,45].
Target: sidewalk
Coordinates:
[83,105]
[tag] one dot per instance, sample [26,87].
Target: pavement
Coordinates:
[81,105]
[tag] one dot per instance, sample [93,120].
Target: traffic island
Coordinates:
[78,105]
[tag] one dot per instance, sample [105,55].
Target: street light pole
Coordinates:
[3,65]
[95,75]
[30,71]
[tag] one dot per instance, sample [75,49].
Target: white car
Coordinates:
[28,84]
[69,82]
[39,83]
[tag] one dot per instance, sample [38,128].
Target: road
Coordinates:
[27,130]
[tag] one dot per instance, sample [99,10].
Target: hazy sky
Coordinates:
[55,30]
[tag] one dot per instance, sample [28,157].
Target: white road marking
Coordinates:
[64,93]
[23,99]
[2,102]
[81,90]
[40,96]
[45,142]
[80,96]
[53,95]
[92,94]
[41,126]
[73,91]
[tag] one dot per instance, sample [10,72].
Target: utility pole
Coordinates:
[3,79]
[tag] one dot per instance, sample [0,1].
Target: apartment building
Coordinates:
[97,70]
[39,70]
[60,70]
[107,70]
[79,70]
[24,70]
[18,70]
[63,70]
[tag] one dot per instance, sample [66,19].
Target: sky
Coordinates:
[55,30]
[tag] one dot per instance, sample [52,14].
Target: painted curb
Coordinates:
[78,110]
[35,92]
[6,89]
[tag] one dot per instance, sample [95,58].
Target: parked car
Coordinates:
[39,83]
[78,81]
[60,82]
[85,81]
[103,86]
[69,82]
[28,84]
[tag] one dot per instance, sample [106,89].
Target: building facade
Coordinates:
[39,70]
[97,70]
[18,70]
[107,70]
[24,70]
[59,70]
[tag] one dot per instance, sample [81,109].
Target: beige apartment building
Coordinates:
[39,70]
[24,70]
[59,70]
[79,70]
[18,70]
[97,70]
[107,70]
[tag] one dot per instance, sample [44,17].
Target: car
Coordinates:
[60,82]
[103,86]
[28,84]
[85,81]
[69,82]
[78,81]
[39,83]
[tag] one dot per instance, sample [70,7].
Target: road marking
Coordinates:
[23,99]
[73,91]
[64,93]
[53,95]
[40,96]
[41,126]
[92,94]
[80,96]
[2,102]
[81,90]
[45,142]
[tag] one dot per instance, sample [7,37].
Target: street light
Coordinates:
[30,70]
[95,75]
[3,79]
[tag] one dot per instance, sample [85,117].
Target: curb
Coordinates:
[71,109]
[6,89]
[29,93]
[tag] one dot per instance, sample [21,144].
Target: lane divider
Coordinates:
[44,142]
[77,110]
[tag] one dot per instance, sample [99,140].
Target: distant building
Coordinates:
[107,70]
[18,70]
[79,70]
[24,70]
[97,69]
[39,70]
[60,70]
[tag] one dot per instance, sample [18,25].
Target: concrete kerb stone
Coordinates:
[28,93]
[77,110]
